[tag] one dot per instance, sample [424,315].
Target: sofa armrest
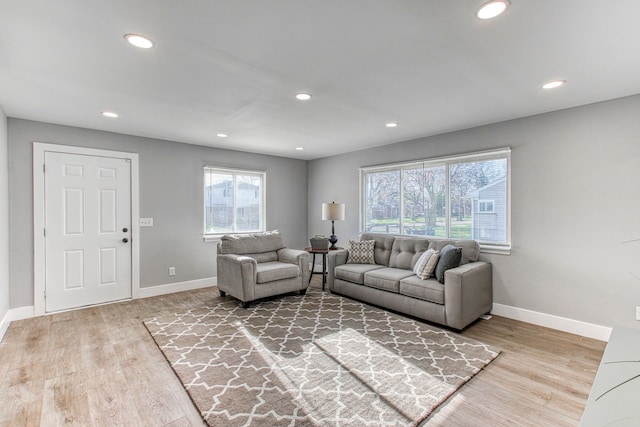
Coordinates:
[334,259]
[468,293]
[297,257]
[237,275]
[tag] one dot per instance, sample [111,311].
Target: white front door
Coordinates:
[87,208]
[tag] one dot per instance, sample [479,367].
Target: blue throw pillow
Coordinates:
[450,257]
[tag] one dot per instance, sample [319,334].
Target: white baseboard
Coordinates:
[154,291]
[575,327]
[15,314]
[4,325]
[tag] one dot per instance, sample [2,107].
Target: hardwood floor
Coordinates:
[541,378]
[99,367]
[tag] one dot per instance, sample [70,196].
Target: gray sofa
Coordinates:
[467,292]
[254,266]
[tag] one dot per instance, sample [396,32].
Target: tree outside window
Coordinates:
[382,194]
[463,197]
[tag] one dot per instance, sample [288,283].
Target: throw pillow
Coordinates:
[450,257]
[361,252]
[426,264]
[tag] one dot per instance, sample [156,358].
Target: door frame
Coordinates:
[39,216]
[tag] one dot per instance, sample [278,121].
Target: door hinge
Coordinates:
[45,294]
[44,167]
[44,232]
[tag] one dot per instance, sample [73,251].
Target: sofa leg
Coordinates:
[303,291]
[222,293]
[245,304]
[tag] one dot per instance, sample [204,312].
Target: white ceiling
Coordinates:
[234,66]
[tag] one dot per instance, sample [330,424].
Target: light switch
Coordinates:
[146,222]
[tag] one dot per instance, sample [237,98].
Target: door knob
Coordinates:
[124,230]
[125,240]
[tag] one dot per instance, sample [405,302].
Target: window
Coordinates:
[485,206]
[234,201]
[464,197]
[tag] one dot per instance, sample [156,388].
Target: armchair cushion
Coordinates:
[272,271]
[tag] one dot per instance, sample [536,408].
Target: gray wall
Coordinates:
[171,192]
[4,218]
[575,202]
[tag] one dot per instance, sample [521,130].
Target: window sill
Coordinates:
[495,250]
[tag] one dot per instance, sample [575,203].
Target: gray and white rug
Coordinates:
[314,360]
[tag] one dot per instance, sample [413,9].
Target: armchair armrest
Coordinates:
[334,259]
[468,293]
[240,273]
[297,257]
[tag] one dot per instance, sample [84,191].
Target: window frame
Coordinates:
[502,153]
[213,237]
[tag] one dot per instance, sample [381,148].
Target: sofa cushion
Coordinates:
[354,272]
[429,290]
[470,248]
[426,264]
[254,243]
[361,252]
[406,251]
[271,271]
[382,248]
[449,258]
[386,278]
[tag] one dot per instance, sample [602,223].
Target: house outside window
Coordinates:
[234,201]
[460,197]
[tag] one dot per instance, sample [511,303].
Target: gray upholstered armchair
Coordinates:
[254,266]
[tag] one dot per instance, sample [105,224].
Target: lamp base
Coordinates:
[333,239]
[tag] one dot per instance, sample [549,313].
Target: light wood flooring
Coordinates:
[98,366]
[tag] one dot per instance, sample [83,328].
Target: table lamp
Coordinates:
[333,212]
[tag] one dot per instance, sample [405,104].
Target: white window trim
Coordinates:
[215,237]
[485,247]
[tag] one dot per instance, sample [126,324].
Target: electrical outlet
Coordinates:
[172,271]
[637,313]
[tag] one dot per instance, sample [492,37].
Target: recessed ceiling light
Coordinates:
[222,135]
[139,41]
[109,114]
[492,8]
[392,125]
[299,148]
[302,96]
[553,84]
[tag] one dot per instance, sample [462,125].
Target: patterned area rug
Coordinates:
[314,360]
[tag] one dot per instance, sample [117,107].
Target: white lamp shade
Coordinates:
[333,211]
